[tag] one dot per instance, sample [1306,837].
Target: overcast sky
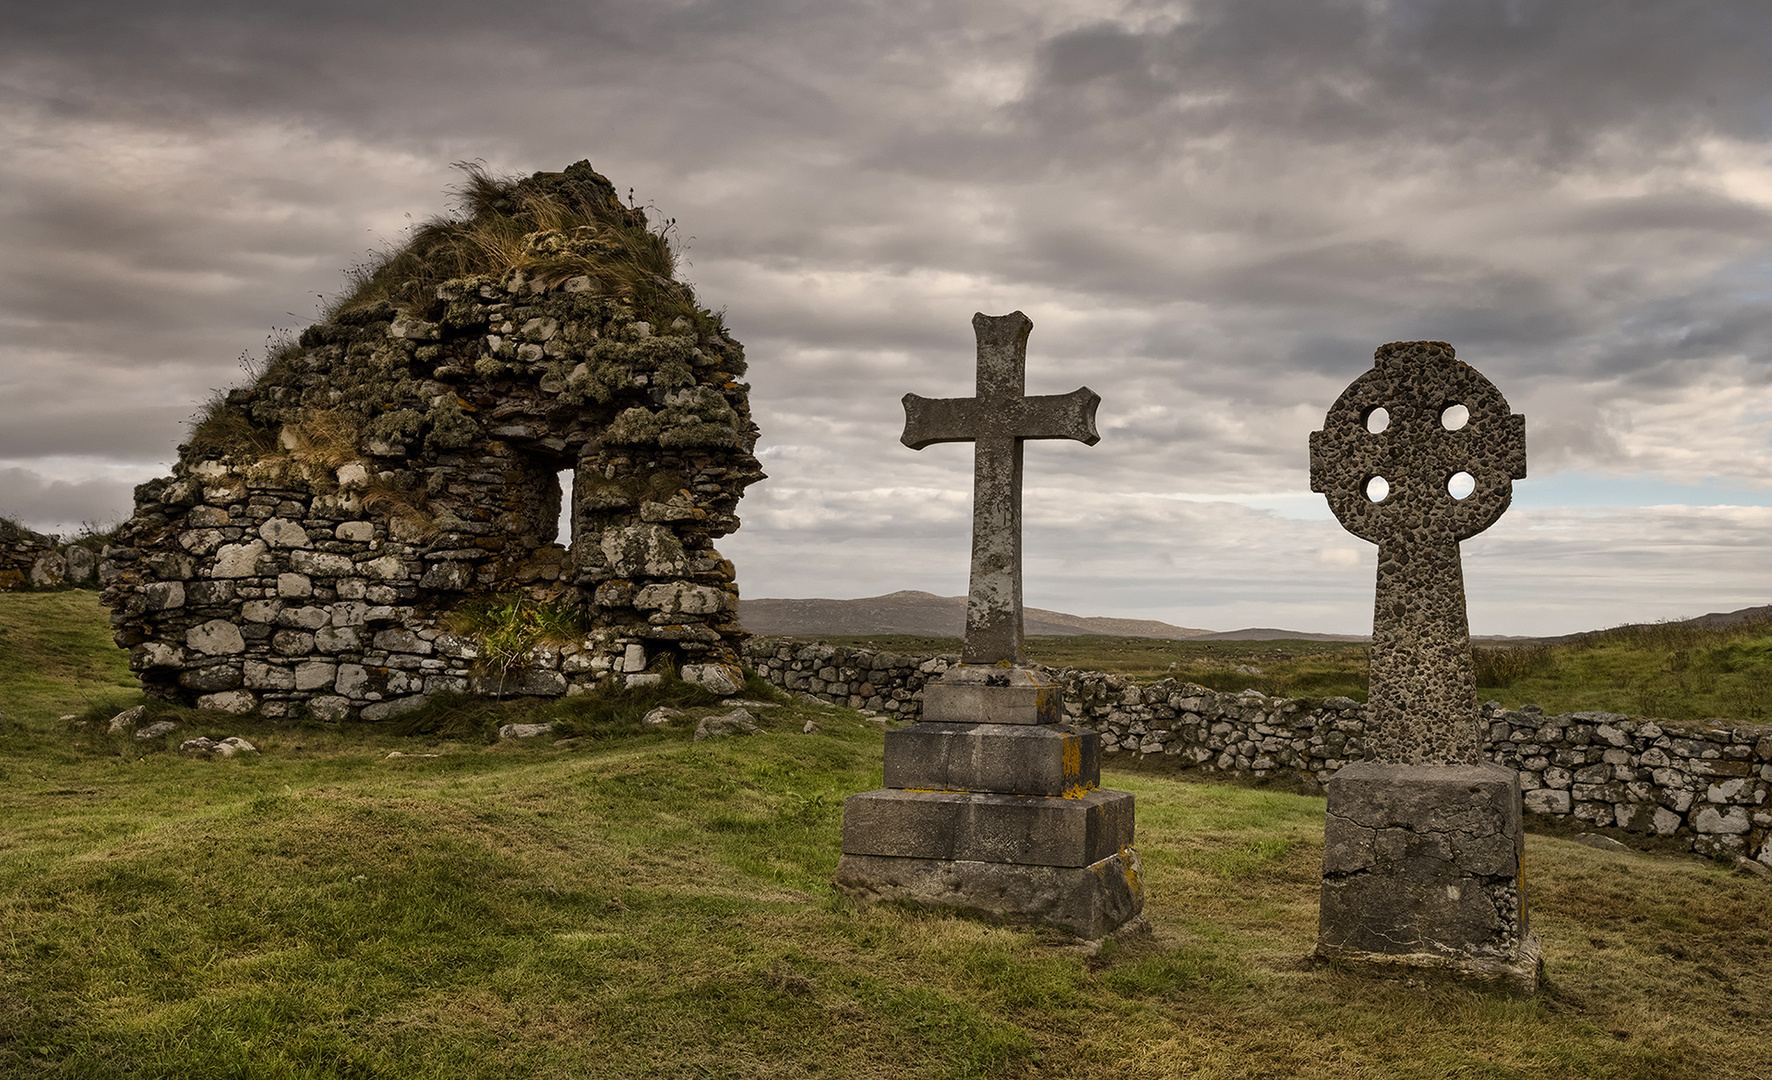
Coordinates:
[1213,212]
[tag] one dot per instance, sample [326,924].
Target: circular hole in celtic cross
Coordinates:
[1460,485]
[1453,417]
[1378,489]
[1377,419]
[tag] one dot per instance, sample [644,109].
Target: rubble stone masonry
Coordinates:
[1704,785]
[399,462]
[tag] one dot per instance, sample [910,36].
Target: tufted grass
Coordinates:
[632,903]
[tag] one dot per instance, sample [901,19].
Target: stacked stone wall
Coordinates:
[1704,785]
[326,529]
[31,560]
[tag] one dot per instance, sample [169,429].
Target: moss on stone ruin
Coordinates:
[398,460]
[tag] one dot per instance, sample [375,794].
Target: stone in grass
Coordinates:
[660,717]
[720,679]
[1601,843]
[224,748]
[736,722]
[126,720]
[155,730]
[524,731]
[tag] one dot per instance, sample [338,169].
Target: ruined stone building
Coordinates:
[329,530]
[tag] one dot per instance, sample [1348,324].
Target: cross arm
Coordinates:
[928,421]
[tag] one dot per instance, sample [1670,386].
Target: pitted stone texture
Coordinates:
[1421,683]
[974,694]
[1422,866]
[408,462]
[1009,759]
[998,419]
[1025,830]
[1089,901]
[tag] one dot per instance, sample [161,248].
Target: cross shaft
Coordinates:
[998,419]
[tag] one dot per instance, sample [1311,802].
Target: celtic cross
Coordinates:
[1417,455]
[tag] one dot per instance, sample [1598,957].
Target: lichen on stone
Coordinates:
[416,435]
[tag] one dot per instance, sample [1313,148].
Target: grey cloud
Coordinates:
[60,506]
[1546,79]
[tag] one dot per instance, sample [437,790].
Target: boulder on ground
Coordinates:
[736,722]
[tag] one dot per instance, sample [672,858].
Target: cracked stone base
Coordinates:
[1422,869]
[1089,901]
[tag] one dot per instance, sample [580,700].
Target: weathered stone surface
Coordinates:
[238,702]
[1423,865]
[1015,759]
[239,560]
[992,695]
[413,467]
[1422,687]
[987,827]
[1005,819]
[722,679]
[217,637]
[682,597]
[155,730]
[735,722]
[204,747]
[1089,901]
[998,419]
[1423,846]
[125,721]
[524,731]
[644,550]
[281,533]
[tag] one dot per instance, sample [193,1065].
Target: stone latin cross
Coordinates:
[998,419]
[1416,455]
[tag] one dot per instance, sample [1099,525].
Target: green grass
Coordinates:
[1287,668]
[1671,671]
[631,903]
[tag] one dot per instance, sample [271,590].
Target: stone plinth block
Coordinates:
[1422,869]
[1029,830]
[1089,901]
[970,694]
[1010,759]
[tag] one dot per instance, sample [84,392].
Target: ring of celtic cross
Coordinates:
[1422,448]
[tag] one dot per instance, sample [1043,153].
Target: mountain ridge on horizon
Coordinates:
[924,614]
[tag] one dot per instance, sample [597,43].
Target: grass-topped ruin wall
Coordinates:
[359,528]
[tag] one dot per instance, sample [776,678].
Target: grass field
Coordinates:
[1669,670]
[635,904]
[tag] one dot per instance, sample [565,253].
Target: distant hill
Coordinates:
[927,615]
[1268,633]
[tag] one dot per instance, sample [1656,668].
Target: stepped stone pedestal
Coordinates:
[991,805]
[1000,815]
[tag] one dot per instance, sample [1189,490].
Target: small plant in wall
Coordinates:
[511,624]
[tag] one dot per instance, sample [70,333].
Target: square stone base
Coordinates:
[976,826]
[1089,901]
[1422,868]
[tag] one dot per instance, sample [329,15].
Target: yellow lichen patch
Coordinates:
[1078,791]
[1073,755]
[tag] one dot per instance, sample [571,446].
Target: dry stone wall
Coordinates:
[31,560]
[324,528]
[1705,785]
